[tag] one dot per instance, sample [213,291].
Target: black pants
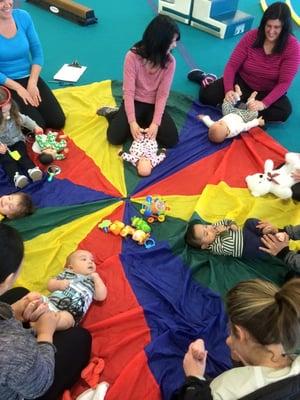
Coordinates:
[49,113]
[214,94]
[73,352]
[119,130]
[12,166]
[296,191]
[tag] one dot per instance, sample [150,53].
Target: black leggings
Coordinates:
[49,113]
[73,352]
[119,130]
[214,94]
[11,166]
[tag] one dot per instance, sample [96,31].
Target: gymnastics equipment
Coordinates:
[178,9]
[68,9]
[295,16]
[220,18]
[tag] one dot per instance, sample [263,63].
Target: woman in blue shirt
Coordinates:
[21,60]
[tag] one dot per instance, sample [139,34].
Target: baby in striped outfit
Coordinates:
[236,118]
[73,290]
[144,155]
[226,238]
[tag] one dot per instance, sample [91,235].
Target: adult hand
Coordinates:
[273,244]
[136,131]
[45,326]
[3,148]
[296,175]
[25,95]
[30,307]
[256,105]
[266,227]
[152,131]
[194,362]
[34,92]
[230,96]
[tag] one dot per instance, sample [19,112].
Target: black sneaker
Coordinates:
[107,111]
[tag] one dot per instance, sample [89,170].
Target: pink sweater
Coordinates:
[150,87]
[273,73]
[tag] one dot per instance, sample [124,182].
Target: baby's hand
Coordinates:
[220,229]
[63,284]
[95,275]
[261,121]
[200,117]
[3,148]
[38,130]
[233,227]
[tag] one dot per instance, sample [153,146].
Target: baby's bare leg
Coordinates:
[65,320]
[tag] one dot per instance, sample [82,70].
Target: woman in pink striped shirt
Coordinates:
[148,74]
[266,60]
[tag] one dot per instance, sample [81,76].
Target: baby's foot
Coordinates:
[252,97]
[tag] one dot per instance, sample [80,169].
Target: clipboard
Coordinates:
[69,73]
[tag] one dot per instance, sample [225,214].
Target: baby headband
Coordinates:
[7,100]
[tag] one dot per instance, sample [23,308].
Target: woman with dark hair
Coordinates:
[40,366]
[21,60]
[264,337]
[148,74]
[266,60]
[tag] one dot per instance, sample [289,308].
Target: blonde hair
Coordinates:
[270,314]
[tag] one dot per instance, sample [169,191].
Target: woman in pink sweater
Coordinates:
[148,74]
[266,60]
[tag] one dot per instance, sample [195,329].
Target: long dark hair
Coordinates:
[14,111]
[156,40]
[12,251]
[279,11]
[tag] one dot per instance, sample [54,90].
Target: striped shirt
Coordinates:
[228,243]
[147,86]
[77,297]
[272,73]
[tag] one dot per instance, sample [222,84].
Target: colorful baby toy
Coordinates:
[119,228]
[154,209]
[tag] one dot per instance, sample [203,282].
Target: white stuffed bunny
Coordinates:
[278,181]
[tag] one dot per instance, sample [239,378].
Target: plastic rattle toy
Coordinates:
[52,171]
[139,223]
[154,209]
[119,228]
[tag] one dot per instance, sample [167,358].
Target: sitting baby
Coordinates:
[226,238]
[74,289]
[236,119]
[144,155]
[49,148]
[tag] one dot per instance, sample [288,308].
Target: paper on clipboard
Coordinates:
[69,73]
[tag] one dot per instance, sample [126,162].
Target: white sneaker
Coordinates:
[20,180]
[35,174]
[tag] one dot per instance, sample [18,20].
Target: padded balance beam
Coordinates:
[68,9]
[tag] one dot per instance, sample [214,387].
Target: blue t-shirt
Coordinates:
[17,54]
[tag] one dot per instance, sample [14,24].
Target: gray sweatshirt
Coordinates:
[289,257]
[26,366]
